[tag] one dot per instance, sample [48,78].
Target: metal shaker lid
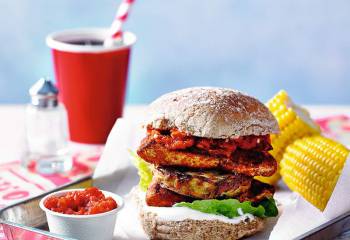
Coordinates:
[44,94]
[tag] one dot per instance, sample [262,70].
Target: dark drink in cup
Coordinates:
[92,80]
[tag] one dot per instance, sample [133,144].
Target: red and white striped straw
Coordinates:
[120,18]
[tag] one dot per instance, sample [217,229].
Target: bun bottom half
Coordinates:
[192,229]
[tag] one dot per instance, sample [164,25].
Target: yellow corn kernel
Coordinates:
[311,166]
[294,122]
[270,180]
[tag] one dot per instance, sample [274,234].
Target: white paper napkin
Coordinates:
[339,203]
[116,173]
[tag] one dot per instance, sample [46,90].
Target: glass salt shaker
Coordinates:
[46,130]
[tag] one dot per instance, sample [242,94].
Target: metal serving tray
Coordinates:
[25,220]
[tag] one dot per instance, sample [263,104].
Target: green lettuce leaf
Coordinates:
[230,207]
[144,171]
[271,209]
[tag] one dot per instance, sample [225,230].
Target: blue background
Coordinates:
[255,46]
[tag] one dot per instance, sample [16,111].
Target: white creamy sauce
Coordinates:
[240,212]
[183,213]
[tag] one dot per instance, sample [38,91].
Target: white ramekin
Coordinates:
[87,227]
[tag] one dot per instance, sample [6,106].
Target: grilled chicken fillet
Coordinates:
[242,161]
[158,196]
[258,191]
[202,184]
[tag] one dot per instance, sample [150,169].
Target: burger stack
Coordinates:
[208,143]
[203,159]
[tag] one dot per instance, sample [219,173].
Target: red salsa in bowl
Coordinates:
[86,202]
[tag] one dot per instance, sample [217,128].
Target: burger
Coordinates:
[197,163]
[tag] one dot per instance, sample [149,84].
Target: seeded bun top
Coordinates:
[212,113]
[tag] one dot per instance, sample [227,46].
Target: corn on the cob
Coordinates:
[311,166]
[294,122]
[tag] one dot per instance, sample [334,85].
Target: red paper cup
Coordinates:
[92,81]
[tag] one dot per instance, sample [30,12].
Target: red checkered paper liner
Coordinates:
[18,183]
[336,127]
